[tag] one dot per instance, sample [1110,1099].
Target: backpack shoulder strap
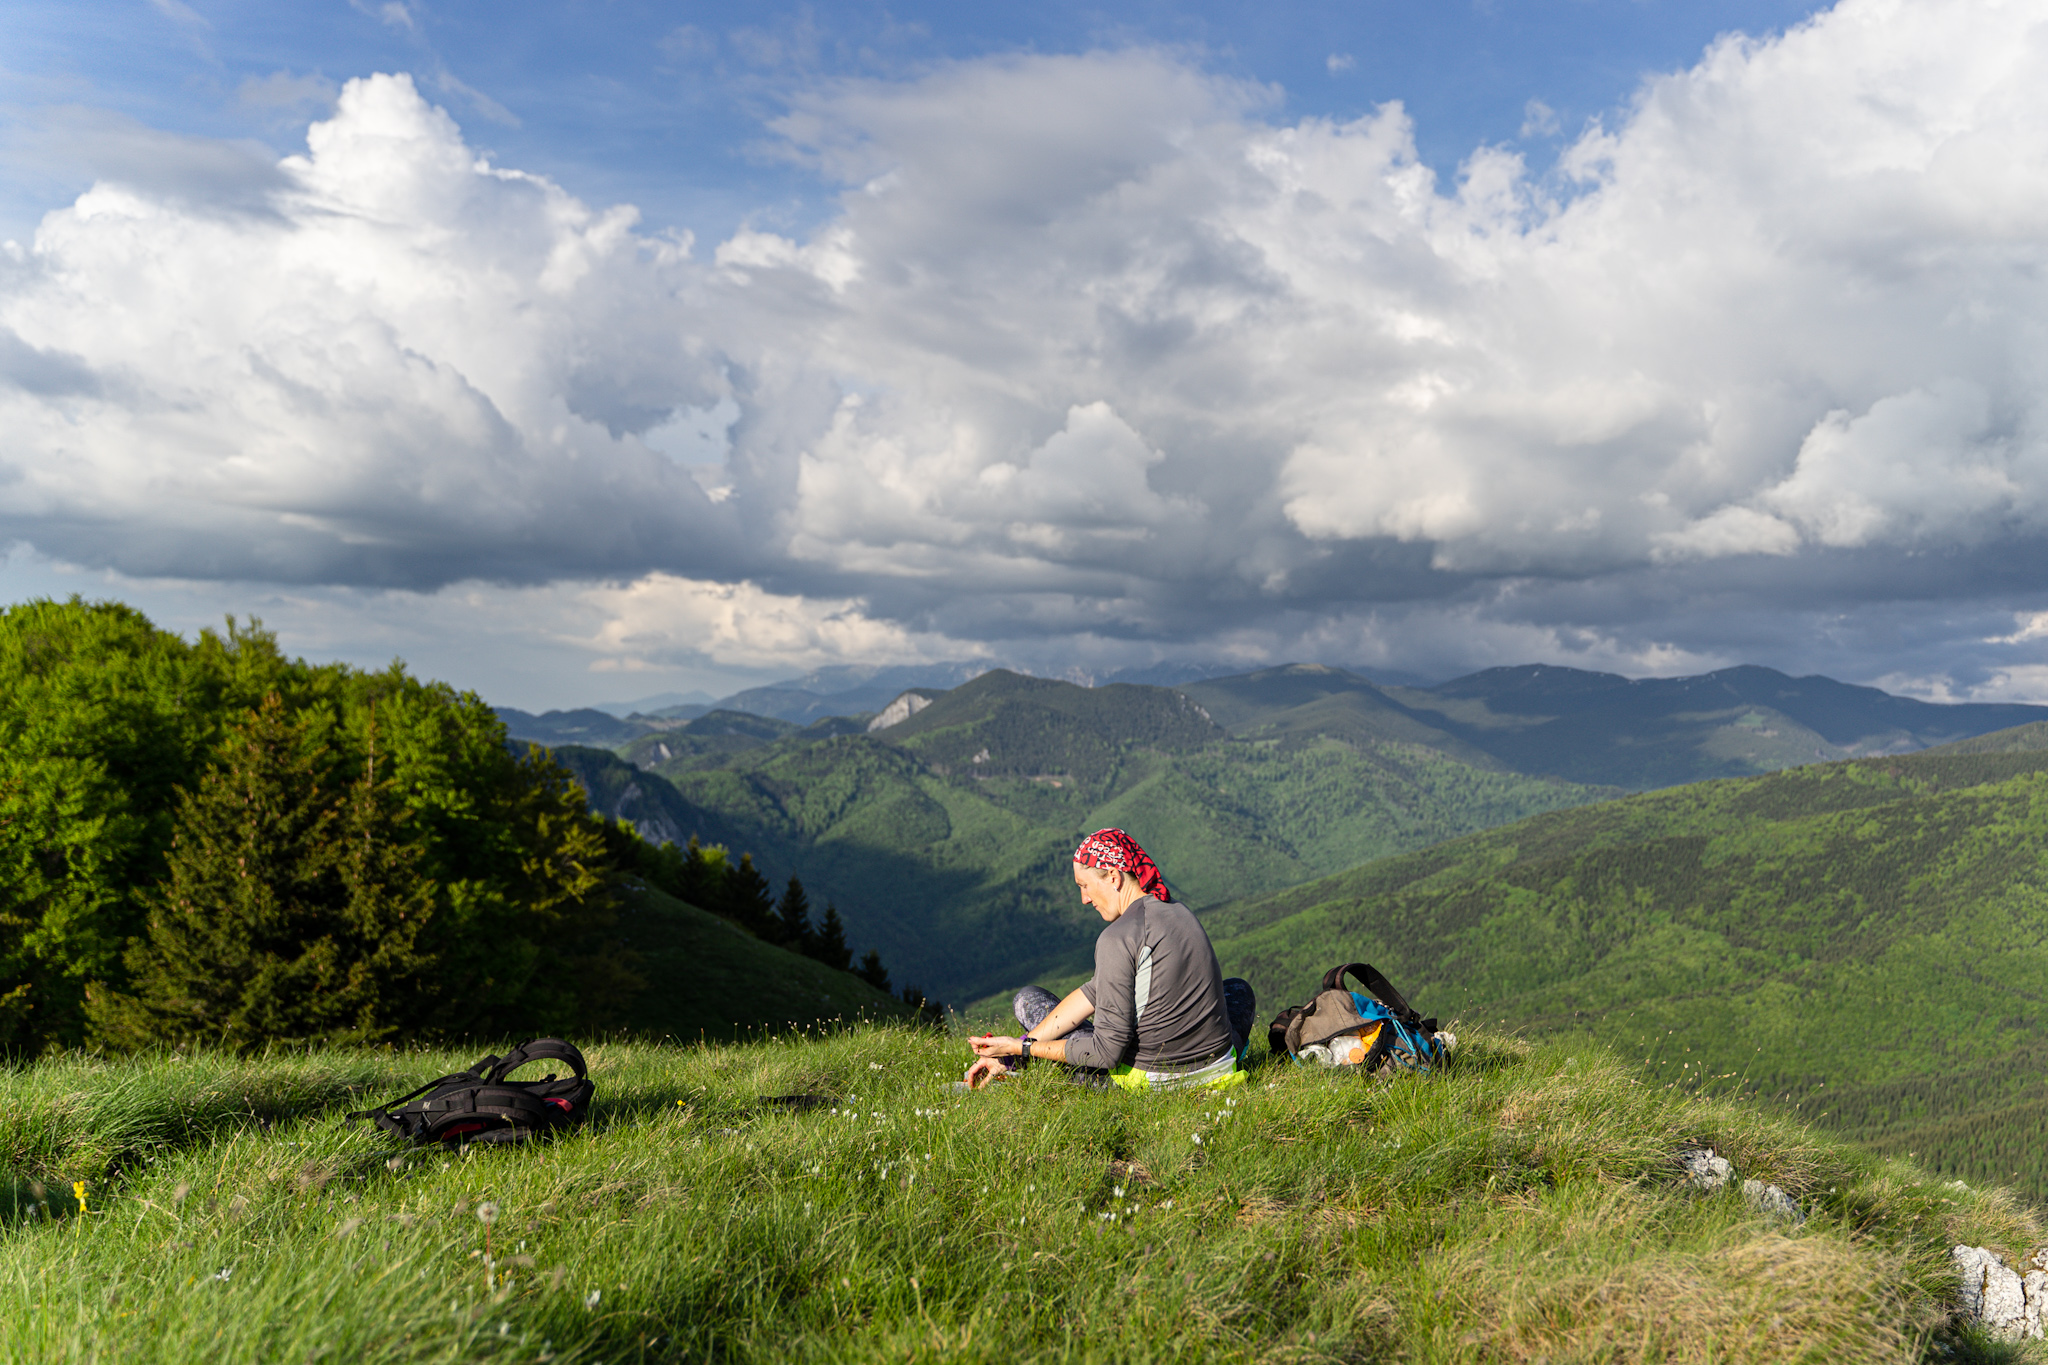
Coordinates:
[537,1050]
[476,1074]
[1380,988]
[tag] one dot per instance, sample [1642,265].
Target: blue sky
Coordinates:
[588,351]
[662,105]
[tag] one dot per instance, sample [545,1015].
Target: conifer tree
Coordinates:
[748,900]
[288,913]
[829,945]
[793,919]
[872,971]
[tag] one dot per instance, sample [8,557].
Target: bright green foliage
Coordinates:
[291,911]
[1866,942]
[103,719]
[1522,1204]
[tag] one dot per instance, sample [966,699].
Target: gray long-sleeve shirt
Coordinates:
[1157,992]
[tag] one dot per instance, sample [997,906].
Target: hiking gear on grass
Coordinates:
[1114,848]
[483,1105]
[1344,1028]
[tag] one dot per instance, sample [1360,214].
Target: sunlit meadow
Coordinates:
[1522,1204]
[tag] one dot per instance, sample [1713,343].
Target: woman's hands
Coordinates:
[991,1046]
[989,1052]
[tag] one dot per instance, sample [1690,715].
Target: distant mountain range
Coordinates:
[1599,729]
[841,690]
[1602,728]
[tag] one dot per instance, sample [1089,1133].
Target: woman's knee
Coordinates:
[1031,1006]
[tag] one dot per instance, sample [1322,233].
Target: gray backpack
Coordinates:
[1352,1029]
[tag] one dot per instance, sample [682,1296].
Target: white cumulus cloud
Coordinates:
[1100,348]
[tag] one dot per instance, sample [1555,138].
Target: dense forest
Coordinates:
[210,841]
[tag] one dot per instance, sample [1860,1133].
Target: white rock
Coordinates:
[1996,1296]
[906,705]
[2036,1286]
[1772,1201]
[1705,1171]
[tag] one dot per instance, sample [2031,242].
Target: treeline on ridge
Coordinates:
[209,841]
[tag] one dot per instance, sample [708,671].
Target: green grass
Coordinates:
[1521,1204]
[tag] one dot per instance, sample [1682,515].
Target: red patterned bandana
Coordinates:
[1114,848]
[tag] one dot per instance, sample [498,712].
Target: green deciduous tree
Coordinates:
[104,720]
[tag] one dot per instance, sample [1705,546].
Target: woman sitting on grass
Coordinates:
[1158,1014]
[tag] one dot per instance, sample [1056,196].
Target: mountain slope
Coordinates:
[945,840]
[1865,940]
[1301,700]
[708,978]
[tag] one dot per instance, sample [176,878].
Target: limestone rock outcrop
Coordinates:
[1704,1171]
[1772,1201]
[2009,1303]
[905,706]
[1710,1173]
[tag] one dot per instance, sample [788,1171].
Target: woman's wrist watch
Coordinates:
[1027,1042]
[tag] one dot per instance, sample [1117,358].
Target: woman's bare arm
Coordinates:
[1065,1017]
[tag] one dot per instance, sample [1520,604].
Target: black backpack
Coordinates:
[482,1105]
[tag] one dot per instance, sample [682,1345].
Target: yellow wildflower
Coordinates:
[78,1188]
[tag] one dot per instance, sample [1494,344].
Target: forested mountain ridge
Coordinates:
[1866,940]
[1539,719]
[945,839]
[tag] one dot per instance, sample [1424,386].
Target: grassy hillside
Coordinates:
[1524,1204]
[1866,942]
[945,840]
[707,978]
